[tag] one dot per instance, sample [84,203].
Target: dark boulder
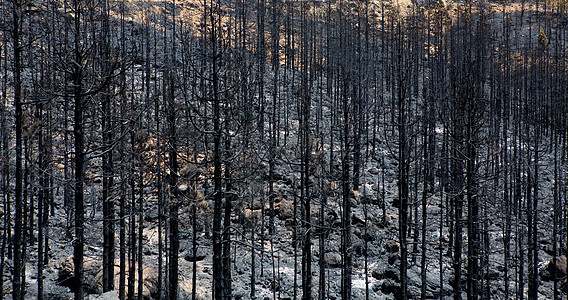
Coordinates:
[554,269]
[392,246]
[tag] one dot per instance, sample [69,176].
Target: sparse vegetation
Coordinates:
[211,149]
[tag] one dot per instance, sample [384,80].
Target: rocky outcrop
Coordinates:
[332,259]
[284,209]
[385,272]
[91,266]
[389,287]
[432,282]
[554,269]
[93,274]
[112,295]
[392,246]
[389,279]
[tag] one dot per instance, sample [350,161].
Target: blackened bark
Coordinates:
[219,284]
[77,77]
[19,200]
[174,204]
[346,249]
[403,185]
[307,227]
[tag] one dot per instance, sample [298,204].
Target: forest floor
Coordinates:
[277,267]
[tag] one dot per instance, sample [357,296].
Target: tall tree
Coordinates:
[5,251]
[107,161]
[18,289]
[170,95]
[402,127]
[78,134]
[221,284]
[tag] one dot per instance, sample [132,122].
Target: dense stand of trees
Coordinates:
[245,120]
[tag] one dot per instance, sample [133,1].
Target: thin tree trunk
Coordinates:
[107,166]
[77,77]
[19,200]
[402,171]
[5,180]
[140,235]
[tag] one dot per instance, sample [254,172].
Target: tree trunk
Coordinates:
[19,200]
[77,77]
